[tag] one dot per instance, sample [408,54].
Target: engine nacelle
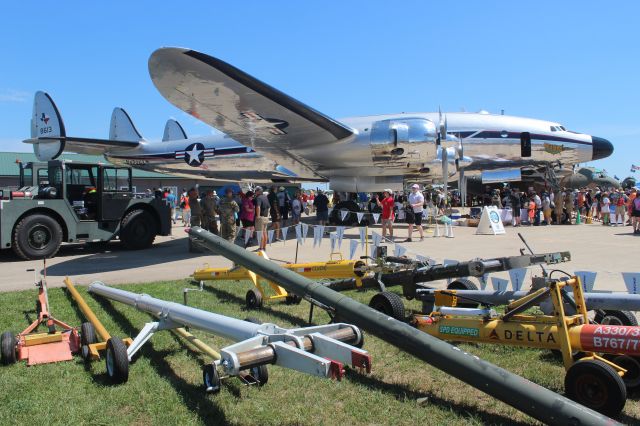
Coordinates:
[399,143]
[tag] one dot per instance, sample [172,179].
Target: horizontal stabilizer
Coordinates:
[173,131]
[122,128]
[49,138]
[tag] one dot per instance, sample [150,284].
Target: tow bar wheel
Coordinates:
[211,378]
[596,385]
[631,378]
[117,360]
[389,304]
[253,299]
[260,374]
[8,344]
[87,337]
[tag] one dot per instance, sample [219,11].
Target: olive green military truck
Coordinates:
[64,201]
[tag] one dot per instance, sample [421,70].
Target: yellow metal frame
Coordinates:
[336,268]
[559,331]
[104,336]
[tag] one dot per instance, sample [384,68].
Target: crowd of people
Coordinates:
[614,207]
[258,210]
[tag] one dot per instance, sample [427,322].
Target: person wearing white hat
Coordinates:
[416,204]
[386,203]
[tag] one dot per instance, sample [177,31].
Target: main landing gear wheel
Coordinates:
[596,385]
[463,284]
[611,317]
[253,299]
[87,337]
[388,303]
[8,344]
[117,360]
[211,378]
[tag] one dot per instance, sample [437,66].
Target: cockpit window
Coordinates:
[563,128]
[553,128]
[557,128]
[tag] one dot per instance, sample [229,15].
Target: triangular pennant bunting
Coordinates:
[363,236]
[333,237]
[270,235]
[299,234]
[247,235]
[399,251]
[305,232]
[284,233]
[359,216]
[340,232]
[353,245]
[259,238]
[376,217]
[343,214]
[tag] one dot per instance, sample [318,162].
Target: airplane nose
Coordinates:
[602,148]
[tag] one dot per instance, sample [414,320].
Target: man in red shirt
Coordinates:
[387,204]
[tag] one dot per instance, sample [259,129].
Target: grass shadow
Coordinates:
[193,397]
[401,392]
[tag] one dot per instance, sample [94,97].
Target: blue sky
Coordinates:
[575,62]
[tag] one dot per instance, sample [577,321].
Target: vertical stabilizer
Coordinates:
[47,128]
[122,128]
[173,131]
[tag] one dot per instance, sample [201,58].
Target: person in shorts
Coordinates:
[416,203]
[261,212]
[387,204]
[321,203]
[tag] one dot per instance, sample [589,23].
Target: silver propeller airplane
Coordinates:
[272,137]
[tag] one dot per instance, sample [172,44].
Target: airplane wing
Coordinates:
[250,111]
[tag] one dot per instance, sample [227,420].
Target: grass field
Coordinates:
[165,381]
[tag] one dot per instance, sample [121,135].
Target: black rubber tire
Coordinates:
[596,385]
[117,360]
[614,317]
[388,303]
[253,299]
[350,219]
[37,236]
[211,378]
[293,299]
[253,320]
[8,344]
[261,374]
[463,284]
[138,229]
[87,337]
[631,378]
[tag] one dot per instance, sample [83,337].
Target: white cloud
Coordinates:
[13,95]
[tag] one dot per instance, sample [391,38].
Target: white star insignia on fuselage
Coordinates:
[194,154]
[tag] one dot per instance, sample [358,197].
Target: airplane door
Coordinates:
[525,144]
[115,184]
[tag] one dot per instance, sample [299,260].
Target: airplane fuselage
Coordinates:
[384,151]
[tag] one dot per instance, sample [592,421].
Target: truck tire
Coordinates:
[138,229]
[37,236]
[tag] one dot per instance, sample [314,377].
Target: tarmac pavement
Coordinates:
[605,250]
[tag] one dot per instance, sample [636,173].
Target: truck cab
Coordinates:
[63,201]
